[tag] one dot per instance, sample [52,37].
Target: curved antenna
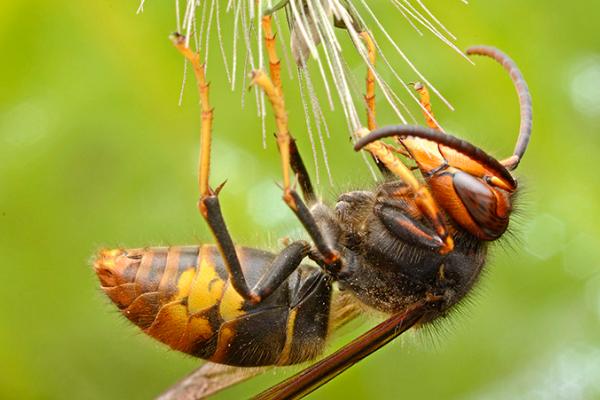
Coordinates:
[524,100]
[440,137]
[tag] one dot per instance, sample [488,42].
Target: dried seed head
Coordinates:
[312,44]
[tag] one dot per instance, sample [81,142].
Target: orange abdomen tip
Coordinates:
[117,270]
[115,267]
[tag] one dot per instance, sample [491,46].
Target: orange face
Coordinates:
[473,192]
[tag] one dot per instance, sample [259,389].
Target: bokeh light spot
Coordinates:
[585,85]
[24,124]
[545,236]
[231,163]
[582,259]
[570,373]
[265,206]
[592,294]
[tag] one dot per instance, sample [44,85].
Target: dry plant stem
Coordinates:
[207,112]
[370,95]
[208,380]
[422,194]
[306,381]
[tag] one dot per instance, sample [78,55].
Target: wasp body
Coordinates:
[410,248]
[182,296]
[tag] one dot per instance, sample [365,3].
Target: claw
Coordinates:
[219,188]
[177,38]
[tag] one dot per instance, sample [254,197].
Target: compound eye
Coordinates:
[481,203]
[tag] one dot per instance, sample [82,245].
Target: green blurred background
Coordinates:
[95,151]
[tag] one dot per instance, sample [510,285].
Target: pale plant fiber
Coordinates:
[314,46]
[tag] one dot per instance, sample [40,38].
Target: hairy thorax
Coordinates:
[390,274]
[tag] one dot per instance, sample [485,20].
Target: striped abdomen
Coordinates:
[182,296]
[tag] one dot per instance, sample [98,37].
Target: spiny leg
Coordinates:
[285,141]
[425,101]
[207,111]
[290,196]
[208,204]
[285,262]
[370,95]
[423,197]
[270,44]
[290,157]
[370,80]
[398,216]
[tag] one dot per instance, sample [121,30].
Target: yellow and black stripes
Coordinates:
[183,297]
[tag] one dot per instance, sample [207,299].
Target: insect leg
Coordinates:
[425,101]
[370,80]
[285,141]
[290,196]
[398,221]
[370,95]
[423,197]
[207,110]
[209,203]
[290,157]
[301,173]
[286,262]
